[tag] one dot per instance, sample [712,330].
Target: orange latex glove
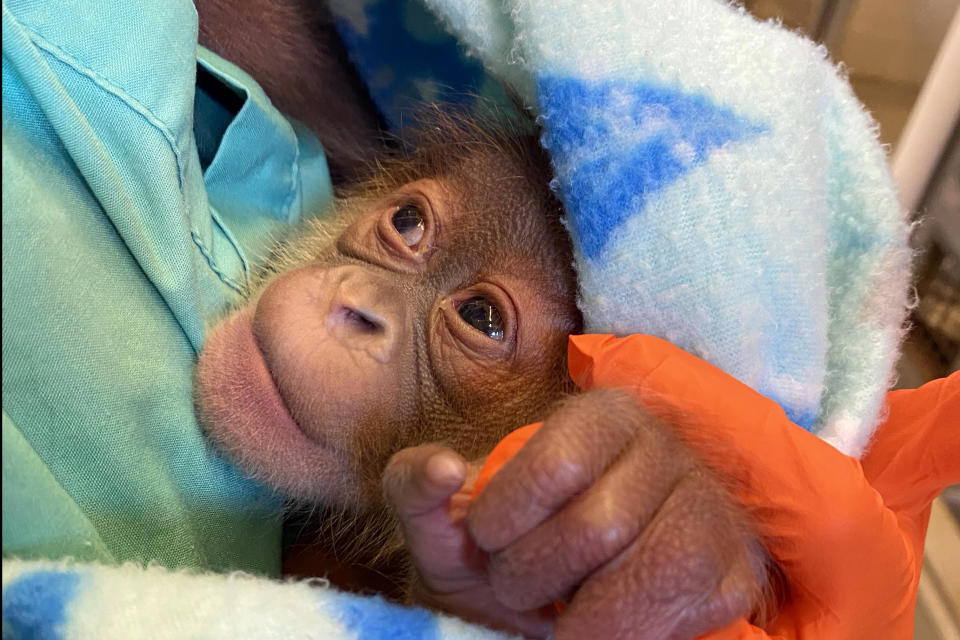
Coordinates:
[848,535]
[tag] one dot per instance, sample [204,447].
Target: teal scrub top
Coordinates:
[135,199]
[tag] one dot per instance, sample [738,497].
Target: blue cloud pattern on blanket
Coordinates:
[49,600]
[34,606]
[373,618]
[653,136]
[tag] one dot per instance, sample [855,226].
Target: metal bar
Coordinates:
[934,116]
[831,22]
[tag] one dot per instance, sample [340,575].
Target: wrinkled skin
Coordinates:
[603,508]
[355,365]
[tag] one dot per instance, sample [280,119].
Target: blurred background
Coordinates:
[903,60]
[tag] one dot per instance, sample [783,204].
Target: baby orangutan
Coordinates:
[434,306]
[424,320]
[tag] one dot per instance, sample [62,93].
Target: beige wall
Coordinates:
[886,45]
[796,14]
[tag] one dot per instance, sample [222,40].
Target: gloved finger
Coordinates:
[546,563]
[915,452]
[574,446]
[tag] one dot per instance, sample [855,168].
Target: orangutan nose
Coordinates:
[367,315]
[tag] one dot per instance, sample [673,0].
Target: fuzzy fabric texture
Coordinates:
[724,188]
[46,599]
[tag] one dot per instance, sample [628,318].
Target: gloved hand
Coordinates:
[848,535]
[851,551]
[605,501]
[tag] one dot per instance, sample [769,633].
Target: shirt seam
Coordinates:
[205,252]
[296,188]
[295,185]
[121,94]
[118,92]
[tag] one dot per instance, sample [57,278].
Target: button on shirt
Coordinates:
[141,176]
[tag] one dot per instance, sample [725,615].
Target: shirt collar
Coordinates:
[254,171]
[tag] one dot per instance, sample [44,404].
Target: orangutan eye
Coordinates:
[410,224]
[482,315]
